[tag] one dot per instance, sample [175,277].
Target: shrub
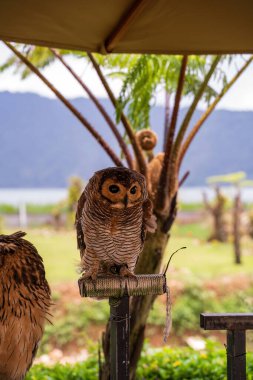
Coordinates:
[195,300]
[155,364]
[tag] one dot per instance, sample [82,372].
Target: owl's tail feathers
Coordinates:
[151,224]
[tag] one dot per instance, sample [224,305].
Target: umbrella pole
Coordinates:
[119,339]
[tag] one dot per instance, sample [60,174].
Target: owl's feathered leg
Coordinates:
[90,265]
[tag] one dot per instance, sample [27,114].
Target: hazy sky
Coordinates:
[240,96]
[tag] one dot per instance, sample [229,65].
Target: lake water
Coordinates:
[54,195]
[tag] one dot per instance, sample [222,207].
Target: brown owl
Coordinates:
[113,215]
[24,305]
[147,140]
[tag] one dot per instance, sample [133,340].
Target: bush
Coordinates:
[182,364]
[71,324]
[87,370]
[155,364]
[195,300]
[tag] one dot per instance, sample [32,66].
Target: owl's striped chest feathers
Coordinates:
[113,235]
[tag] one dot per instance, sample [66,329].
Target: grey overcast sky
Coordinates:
[240,96]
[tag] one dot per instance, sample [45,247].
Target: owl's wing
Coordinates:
[149,219]
[80,236]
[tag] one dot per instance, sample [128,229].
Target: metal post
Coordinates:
[119,341]
[236,355]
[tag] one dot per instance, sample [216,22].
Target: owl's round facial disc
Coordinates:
[114,192]
[134,194]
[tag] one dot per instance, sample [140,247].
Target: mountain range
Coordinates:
[42,144]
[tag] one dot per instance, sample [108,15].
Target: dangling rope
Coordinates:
[168,321]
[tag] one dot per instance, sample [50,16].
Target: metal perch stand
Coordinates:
[118,291]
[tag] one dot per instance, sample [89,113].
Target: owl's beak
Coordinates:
[126,201]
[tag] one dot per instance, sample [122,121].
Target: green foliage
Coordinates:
[74,191]
[144,76]
[192,230]
[87,370]
[191,207]
[195,300]
[188,307]
[71,324]
[39,209]
[232,178]
[35,209]
[155,364]
[8,209]
[39,56]
[178,364]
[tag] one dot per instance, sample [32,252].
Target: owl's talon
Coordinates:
[125,272]
[92,274]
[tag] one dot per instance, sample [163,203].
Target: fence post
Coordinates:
[236,354]
[236,326]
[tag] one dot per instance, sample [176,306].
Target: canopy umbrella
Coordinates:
[127,26]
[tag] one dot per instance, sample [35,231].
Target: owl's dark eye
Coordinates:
[133,190]
[114,189]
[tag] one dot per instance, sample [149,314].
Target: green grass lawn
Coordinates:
[59,253]
[201,260]
[208,260]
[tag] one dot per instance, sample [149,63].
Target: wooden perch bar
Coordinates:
[236,326]
[116,286]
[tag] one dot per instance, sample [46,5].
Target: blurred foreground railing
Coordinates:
[236,326]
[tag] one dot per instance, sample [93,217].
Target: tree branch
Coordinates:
[136,147]
[166,118]
[99,106]
[184,178]
[163,182]
[205,115]
[72,109]
[193,106]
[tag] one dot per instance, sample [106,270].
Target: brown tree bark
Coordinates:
[217,212]
[236,229]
